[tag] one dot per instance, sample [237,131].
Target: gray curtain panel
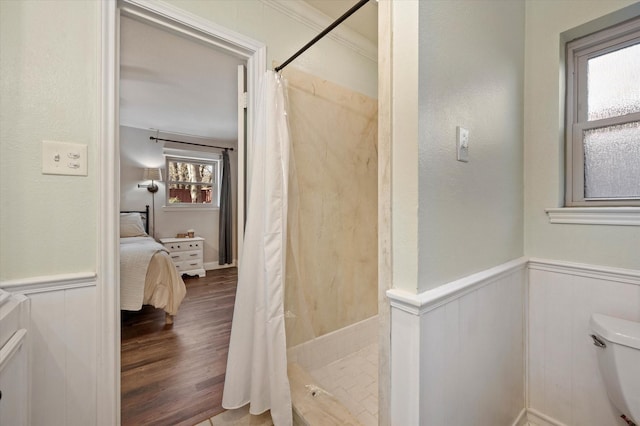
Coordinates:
[225,254]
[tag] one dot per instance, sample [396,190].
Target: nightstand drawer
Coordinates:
[184,246]
[179,256]
[187,254]
[188,265]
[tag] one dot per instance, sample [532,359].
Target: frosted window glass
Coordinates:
[612,161]
[613,83]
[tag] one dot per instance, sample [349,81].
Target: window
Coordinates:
[193,182]
[603,118]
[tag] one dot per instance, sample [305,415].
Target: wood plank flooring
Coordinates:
[174,374]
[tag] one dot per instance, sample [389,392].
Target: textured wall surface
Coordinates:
[544,144]
[332,255]
[471,75]
[49,74]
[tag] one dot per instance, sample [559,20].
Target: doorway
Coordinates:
[159,15]
[182,92]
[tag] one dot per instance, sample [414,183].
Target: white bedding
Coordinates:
[148,276]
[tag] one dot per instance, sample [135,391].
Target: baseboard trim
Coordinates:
[49,283]
[540,419]
[212,266]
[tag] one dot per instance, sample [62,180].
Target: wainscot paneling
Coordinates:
[469,340]
[62,347]
[565,385]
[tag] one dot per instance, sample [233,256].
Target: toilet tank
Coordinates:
[619,362]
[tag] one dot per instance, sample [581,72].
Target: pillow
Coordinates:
[131,225]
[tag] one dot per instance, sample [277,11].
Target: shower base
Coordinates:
[341,368]
[344,392]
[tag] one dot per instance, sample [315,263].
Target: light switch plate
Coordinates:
[462,144]
[64,158]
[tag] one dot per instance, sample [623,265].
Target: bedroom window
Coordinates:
[603,118]
[192,182]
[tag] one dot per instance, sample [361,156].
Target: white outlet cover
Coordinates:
[64,158]
[462,144]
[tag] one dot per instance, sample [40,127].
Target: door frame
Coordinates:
[108,151]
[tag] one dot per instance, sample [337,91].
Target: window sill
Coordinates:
[629,216]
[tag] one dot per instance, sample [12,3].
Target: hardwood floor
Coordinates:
[174,374]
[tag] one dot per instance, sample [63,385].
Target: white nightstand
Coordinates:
[187,254]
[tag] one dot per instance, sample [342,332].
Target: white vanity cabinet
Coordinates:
[187,254]
[14,379]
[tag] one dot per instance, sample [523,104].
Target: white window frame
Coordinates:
[578,53]
[216,162]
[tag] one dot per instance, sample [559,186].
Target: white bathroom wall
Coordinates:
[471,74]
[565,386]
[61,348]
[48,223]
[49,92]
[50,73]
[616,246]
[458,351]
[564,379]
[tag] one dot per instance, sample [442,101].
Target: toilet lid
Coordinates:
[617,330]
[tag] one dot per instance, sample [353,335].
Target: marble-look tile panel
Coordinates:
[333,219]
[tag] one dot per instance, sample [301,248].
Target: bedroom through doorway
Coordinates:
[183,92]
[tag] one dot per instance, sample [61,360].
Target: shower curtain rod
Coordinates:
[190,143]
[323,33]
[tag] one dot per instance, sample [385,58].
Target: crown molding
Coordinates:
[307,15]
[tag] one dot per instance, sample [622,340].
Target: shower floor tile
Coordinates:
[353,380]
[239,417]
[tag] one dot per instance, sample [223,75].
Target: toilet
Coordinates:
[618,343]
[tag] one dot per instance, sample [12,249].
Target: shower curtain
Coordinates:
[257,360]
[225,254]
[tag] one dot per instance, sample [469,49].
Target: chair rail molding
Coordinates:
[627,276]
[47,283]
[419,304]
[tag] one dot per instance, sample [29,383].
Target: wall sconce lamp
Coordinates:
[151,174]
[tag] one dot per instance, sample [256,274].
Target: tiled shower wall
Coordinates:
[332,257]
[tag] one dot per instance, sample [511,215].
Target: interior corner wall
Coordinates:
[616,246]
[136,152]
[284,35]
[471,73]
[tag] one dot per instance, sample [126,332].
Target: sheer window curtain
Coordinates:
[257,360]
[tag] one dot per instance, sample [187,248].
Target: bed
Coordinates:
[147,274]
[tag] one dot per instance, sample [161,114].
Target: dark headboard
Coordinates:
[145,216]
